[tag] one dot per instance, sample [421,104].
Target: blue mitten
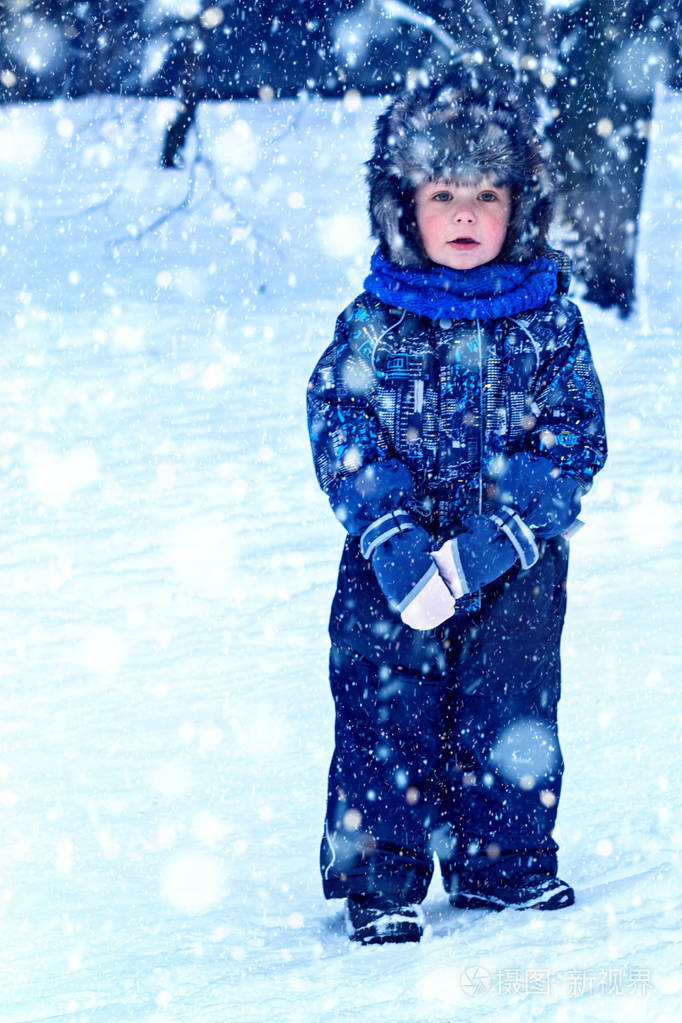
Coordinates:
[546,496]
[399,551]
[488,547]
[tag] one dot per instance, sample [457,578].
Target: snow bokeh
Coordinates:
[155,11]
[168,566]
[37,45]
[236,146]
[526,753]
[21,145]
[54,476]
[343,235]
[192,881]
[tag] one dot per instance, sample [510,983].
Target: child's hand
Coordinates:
[399,553]
[484,551]
[546,496]
[432,606]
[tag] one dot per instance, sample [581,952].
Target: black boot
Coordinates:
[536,891]
[373,920]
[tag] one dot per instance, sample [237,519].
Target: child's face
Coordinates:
[462,226]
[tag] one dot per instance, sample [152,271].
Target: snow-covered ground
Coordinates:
[167,568]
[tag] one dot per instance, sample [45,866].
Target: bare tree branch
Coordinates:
[402,12]
[508,55]
[190,202]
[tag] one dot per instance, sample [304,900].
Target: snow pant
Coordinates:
[465,764]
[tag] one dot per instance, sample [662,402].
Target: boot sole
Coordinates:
[388,928]
[398,934]
[554,900]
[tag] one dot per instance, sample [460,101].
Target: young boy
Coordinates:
[456,421]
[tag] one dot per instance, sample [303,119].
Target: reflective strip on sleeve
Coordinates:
[519,534]
[383,529]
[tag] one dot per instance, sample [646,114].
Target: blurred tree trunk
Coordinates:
[189,82]
[610,55]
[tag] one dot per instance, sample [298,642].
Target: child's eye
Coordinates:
[441,197]
[488,196]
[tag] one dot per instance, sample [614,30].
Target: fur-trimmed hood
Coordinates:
[463,129]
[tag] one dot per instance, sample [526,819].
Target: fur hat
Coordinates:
[464,129]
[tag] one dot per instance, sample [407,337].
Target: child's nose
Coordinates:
[464,213]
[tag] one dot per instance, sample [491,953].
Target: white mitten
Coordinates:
[432,606]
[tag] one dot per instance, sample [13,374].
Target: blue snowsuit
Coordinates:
[446,740]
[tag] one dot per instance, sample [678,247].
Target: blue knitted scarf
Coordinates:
[487,292]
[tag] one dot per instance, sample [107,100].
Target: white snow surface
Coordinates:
[168,564]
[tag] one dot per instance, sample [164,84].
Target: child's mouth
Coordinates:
[463,243]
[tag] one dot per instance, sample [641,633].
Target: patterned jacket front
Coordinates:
[407,412]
